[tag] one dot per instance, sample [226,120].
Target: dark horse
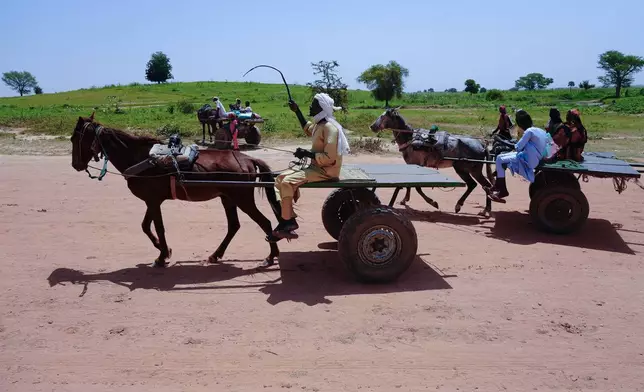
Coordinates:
[155,185]
[206,116]
[462,147]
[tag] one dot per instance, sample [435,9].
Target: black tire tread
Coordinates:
[347,244]
[548,191]
[332,203]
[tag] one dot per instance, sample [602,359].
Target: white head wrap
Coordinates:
[326,102]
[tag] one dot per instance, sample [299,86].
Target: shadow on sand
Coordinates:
[596,234]
[517,228]
[306,277]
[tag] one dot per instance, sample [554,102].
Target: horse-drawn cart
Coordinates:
[375,242]
[219,127]
[247,129]
[557,203]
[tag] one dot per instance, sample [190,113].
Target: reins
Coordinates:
[97,130]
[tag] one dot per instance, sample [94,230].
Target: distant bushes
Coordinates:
[494,95]
[186,107]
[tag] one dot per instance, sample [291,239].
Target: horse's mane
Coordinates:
[122,135]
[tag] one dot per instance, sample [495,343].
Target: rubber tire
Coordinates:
[360,224]
[552,178]
[545,196]
[253,136]
[338,207]
[223,139]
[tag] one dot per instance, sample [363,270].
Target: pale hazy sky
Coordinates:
[69,44]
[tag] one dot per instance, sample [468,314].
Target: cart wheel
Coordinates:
[377,244]
[552,178]
[223,139]
[253,137]
[338,207]
[559,209]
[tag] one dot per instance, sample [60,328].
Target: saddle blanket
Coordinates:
[423,139]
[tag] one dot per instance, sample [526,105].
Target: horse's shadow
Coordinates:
[306,277]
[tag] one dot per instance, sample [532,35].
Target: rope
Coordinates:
[621,183]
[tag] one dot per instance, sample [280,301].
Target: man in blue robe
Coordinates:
[533,146]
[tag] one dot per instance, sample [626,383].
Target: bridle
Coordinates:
[94,148]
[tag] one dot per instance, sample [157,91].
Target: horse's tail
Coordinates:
[266,175]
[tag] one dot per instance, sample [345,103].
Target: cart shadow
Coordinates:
[595,234]
[460,219]
[304,277]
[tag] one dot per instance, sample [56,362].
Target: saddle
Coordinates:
[443,141]
[501,145]
[175,158]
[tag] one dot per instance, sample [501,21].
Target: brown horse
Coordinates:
[458,147]
[155,185]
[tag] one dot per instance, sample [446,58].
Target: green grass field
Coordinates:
[150,107]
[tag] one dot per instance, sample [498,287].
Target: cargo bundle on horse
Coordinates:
[158,183]
[439,150]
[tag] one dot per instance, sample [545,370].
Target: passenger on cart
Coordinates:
[329,144]
[533,146]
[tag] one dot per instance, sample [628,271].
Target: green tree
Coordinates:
[471,86]
[586,85]
[571,84]
[21,82]
[533,81]
[158,68]
[329,82]
[451,90]
[385,81]
[483,90]
[37,90]
[619,69]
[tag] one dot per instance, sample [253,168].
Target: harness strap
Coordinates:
[103,172]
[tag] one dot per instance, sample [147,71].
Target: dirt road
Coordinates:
[489,304]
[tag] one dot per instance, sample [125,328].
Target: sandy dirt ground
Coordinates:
[489,304]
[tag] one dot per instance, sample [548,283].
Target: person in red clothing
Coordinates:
[578,135]
[503,128]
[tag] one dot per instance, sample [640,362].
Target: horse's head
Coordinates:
[390,119]
[85,145]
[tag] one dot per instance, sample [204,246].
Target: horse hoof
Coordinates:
[435,205]
[403,203]
[169,254]
[213,259]
[159,263]
[457,208]
[484,214]
[266,263]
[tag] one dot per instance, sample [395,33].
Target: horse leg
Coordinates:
[203,132]
[480,178]
[155,214]
[147,229]
[428,199]
[246,203]
[405,199]
[233,227]
[469,181]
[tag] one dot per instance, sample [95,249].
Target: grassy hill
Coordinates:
[150,107]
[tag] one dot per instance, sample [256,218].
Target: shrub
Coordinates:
[494,95]
[185,107]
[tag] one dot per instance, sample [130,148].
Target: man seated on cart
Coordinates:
[533,146]
[329,144]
